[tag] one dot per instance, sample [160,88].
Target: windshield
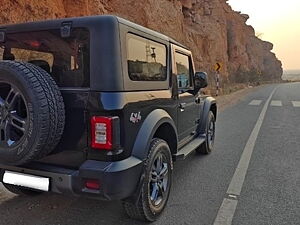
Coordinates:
[66,59]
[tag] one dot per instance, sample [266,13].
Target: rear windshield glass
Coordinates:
[66,59]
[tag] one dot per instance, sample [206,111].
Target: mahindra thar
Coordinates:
[99,107]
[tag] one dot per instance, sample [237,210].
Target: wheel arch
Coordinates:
[157,124]
[210,104]
[167,133]
[214,109]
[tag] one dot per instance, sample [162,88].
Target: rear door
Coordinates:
[67,61]
[188,109]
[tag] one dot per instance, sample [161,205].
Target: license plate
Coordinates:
[26,180]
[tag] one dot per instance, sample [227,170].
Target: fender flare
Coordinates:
[150,125]
[208,102]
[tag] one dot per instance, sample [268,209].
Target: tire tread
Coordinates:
[137,210]
[50,107]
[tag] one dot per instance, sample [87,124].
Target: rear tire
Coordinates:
[21,190]
[208,146]
[155,189]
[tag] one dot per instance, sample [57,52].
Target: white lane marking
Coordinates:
[276,103]
[226,212]
[238,178]
[296,103]
[255,102]
[227,209]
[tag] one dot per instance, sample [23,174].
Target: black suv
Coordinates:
[99,107]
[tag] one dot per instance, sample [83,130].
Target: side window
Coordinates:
[183,71]
[147,60]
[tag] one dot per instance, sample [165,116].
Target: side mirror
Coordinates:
[200,80]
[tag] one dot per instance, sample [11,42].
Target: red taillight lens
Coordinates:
[34,44]
[101,128]
[92,184]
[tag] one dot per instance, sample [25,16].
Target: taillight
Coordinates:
[92,184]
[101,128]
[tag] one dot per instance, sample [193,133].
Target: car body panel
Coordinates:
[143,108]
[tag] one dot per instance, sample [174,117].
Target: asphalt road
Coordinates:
[252,177]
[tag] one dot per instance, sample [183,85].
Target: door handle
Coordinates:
[182,106]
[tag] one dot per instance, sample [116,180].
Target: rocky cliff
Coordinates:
[210,28]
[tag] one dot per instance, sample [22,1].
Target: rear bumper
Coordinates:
[118,180]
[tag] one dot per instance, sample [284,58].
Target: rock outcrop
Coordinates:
[210,28]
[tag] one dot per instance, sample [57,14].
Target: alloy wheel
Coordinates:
[13,115]
[159,181]
[211,133]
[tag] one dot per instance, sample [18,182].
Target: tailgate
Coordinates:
[71,151]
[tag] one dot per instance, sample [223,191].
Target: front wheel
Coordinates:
[155,189]
[208,146]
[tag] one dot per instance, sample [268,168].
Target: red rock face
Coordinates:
[210,28]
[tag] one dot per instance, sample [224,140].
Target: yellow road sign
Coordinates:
[218,66]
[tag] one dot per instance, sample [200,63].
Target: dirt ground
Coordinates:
[224,101]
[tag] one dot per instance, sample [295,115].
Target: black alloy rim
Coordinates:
[13,115]
[159,181]
[211,133]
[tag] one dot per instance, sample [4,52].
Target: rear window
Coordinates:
[146,59]
[66,59]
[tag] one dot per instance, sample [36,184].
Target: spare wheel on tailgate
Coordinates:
[32,114]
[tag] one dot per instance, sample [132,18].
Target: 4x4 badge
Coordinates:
[135,117]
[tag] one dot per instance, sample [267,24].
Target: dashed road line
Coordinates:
[296,103]
[276,103]
[255,102]
[228,207]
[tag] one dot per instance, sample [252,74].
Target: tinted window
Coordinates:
[66,59]
[146,59]
[183,70]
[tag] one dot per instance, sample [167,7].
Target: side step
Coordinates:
[189,148]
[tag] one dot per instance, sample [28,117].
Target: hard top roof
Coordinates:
[148,31]
[84,21]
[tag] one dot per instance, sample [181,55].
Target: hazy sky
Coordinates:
[279,23]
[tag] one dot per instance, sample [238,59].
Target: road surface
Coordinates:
[252,177]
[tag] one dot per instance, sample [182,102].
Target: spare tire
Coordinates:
[32,114]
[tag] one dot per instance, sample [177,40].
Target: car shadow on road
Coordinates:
[53,209]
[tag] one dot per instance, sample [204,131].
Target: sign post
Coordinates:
[217,67]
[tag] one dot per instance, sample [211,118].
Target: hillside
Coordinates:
[210,28]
